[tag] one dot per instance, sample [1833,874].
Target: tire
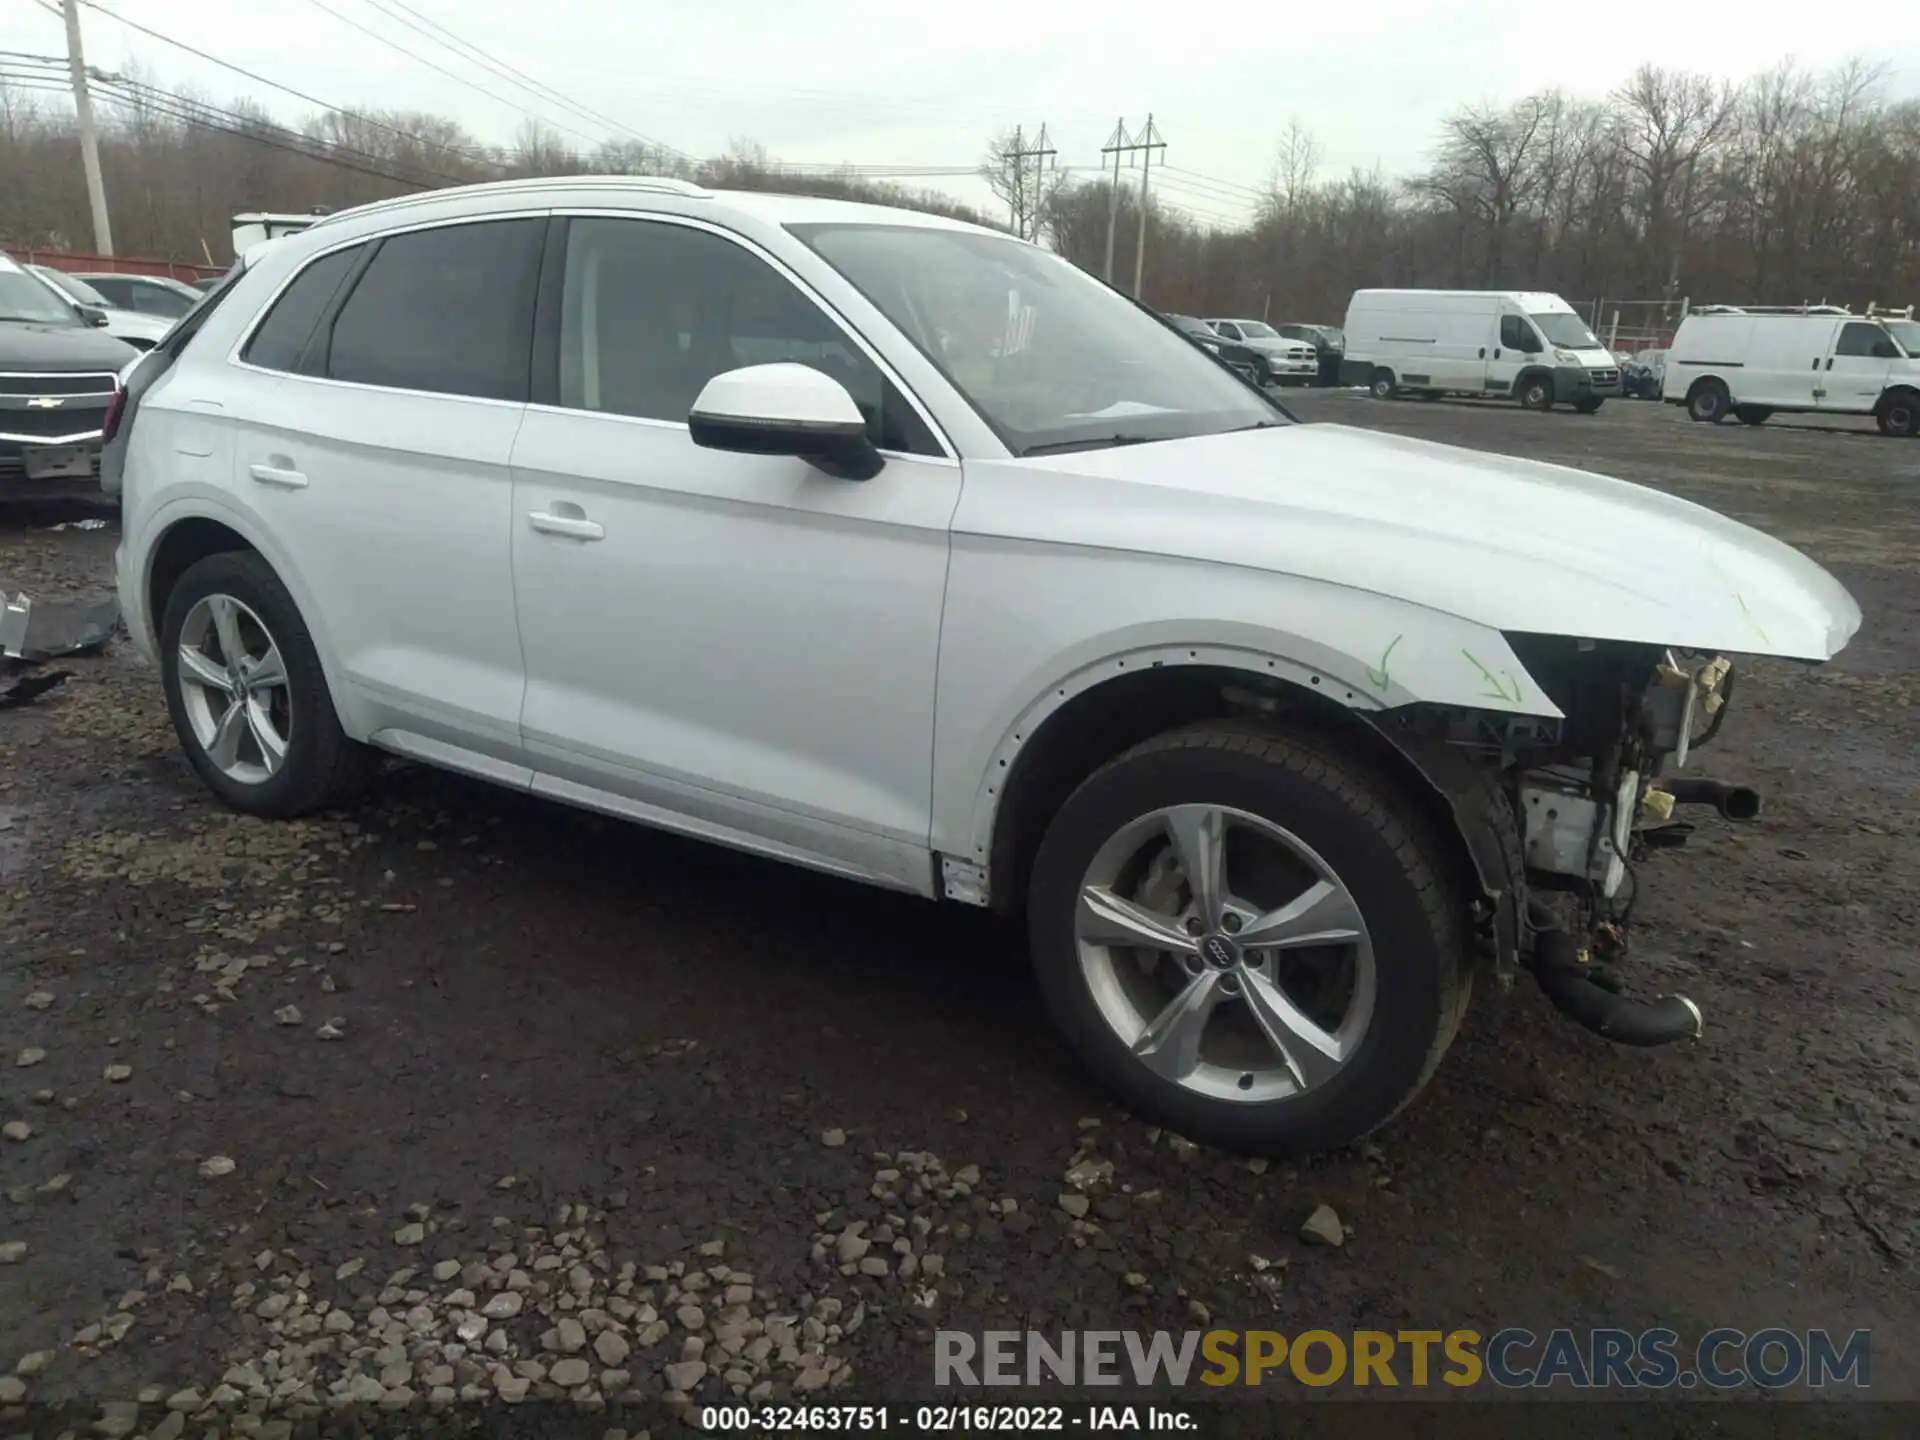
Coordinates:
[1361,833]
[1536,392]
[319,767]
[1589,406]
[1708,402]
[1752,414]
[1382,385]
[1898,415]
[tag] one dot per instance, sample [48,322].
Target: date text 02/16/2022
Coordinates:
[946,1419]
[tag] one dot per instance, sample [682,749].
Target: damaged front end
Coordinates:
[1584,801]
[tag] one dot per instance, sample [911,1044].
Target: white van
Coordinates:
[1751,363]
[1528,345]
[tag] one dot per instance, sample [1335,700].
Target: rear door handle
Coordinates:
[573,527]
[278,476]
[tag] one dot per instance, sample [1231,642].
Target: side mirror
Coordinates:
[93,315]
[785,409]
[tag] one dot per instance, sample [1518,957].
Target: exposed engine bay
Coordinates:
[1567,811]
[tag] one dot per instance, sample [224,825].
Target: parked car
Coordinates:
[139,331]
[1753,363]
[1526,345]
[158,295]
[1329,347]
[1237,357]
[206,284]
[1643,375]
[58,379]
[1282,361]
[1281,737]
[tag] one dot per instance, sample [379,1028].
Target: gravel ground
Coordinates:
[467,1101]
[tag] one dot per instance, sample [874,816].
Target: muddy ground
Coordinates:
[632,1081]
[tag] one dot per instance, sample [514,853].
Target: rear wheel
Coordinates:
[1536,392]
[1383,386]
[1249,938]
[247,695]
[1899,415]
[1708,402]
[1752,414]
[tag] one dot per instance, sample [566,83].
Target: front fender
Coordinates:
[1026,632]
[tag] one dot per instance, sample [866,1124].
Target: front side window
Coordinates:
[448,310]
[24,297]
[1567,332]
[650,312]
[1227,328]
[77,291]
[1257,330]
[1051,358]
[1867,342]
[282,337]
[1516,334]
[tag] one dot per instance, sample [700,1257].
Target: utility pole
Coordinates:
[89,142]
[1148,142]
[1117,144]
[1026,212]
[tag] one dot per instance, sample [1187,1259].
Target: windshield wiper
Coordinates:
[1098,442]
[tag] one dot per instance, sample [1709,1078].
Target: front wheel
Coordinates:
[1249,938]
[1708,402]
[1383,387]
[1589,406]
[1752,414]
[1536,392]
[247,694]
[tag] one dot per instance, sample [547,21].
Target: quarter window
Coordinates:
[650,312]
[283,335]
[448,310]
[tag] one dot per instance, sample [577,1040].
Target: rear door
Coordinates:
[1782,362]
[374,429]
[1855,371]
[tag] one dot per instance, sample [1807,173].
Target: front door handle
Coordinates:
[279,476]
[574,527]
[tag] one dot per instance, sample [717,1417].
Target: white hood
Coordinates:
[1514,545]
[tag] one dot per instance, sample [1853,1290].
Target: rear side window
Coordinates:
[283,335]
[448,311]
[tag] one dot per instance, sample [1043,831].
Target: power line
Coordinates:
[238,70]
[442,70]
[442,35]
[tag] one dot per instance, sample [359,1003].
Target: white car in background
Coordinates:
[900,548]
[156,295]
[140,331]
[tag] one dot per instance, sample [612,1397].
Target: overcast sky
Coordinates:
[926,85]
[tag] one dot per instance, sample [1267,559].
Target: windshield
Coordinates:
[1907,332]
[76,289]
[24,298]
[1569,332]
[1051,358]
[1257,330]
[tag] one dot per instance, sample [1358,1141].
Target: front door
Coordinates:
[1513,347]
[1856,372]
[738,645]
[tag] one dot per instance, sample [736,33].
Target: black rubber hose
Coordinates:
[1734,802]
[1557,967]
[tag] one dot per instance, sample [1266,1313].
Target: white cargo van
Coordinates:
[1752,362]
[1530,346]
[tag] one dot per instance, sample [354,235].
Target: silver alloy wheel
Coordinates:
[233,686]
[1224,987]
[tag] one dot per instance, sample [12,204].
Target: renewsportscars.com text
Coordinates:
[1774,1358]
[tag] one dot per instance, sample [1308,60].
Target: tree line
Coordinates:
[1790,186]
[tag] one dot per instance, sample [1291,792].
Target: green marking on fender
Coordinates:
[1505,687]
[1380,678]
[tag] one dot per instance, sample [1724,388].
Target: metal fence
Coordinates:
[114,264]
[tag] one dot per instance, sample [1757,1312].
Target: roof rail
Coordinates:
[1876,312]
[652,184]
[1770,310]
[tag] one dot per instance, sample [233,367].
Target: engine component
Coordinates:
[1578,996]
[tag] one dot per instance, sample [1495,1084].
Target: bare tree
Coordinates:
[1022,183]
